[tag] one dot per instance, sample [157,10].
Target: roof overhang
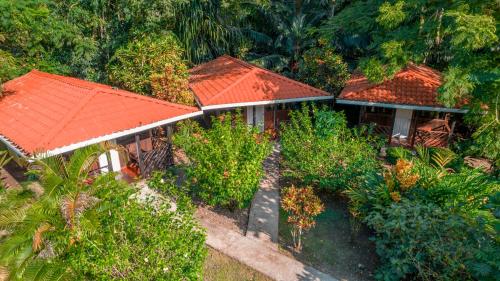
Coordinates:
[71,147]
[12,147]
[402,106]
[243,104]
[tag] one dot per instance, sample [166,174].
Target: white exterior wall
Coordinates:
[103,163]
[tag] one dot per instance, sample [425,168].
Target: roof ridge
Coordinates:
[416,70]
[281,77]
[105,89]
[233,84]
[59,78]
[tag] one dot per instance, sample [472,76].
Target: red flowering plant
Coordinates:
[302,206]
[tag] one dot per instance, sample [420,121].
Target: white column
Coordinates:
[259,117]
[249,110]
[115,160]
[103,163]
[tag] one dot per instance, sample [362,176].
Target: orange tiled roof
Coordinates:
[414,85]
[227,80]
[42,111]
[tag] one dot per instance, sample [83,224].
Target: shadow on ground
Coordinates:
[331,246]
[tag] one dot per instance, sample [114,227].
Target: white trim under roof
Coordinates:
[243,104]
[402,106]
[12,147]
[71,147]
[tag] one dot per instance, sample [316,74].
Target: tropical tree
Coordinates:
[291,36]
[208,28]
[41,229]
[152,66]
[324,69]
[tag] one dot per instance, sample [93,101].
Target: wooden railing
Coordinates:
[432,138]
[160,157]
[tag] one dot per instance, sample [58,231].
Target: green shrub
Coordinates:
[226,160]
[88,228]
[432,221]
[319,149]
[418,240]
[137,242]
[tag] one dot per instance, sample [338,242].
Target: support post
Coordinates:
[392,126]
[414,133]
[139,152]
[452,129]
[275,124]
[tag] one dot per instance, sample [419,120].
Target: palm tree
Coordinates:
[293,21]
[207,28]
[41,229]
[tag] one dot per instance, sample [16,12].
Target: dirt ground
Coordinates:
[219,267]
[236,221]
[331,246]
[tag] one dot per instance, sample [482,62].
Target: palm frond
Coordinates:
[423,153]
[442,157]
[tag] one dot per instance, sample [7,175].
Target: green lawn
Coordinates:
[219,267]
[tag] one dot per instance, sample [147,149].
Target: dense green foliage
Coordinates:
[319,149]
[152,66]
[137,242]
[226,160]
[322,68]
[459,38]
[81,38]
[432,221]
[88,228]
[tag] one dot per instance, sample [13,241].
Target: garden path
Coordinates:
[259,256]
[263,219]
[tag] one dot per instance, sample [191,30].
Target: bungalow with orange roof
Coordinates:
[45,114]
[405,108]
[264,97]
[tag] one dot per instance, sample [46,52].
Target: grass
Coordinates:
[331,246]
[219,267]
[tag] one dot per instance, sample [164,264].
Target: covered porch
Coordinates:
[410,127]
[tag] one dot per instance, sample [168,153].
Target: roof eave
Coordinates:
[243,104]
[11,146]
[71,147]
[402,106]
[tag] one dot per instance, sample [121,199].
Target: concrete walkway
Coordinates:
[263,219]
[259,256]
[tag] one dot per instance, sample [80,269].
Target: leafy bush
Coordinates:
[320,149]
[421,241]
[89,228]
[432,221]
[137,242]
[226,160]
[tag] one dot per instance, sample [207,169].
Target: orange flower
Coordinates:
[404,174]
[395,196]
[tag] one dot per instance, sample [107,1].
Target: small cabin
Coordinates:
[404,109]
